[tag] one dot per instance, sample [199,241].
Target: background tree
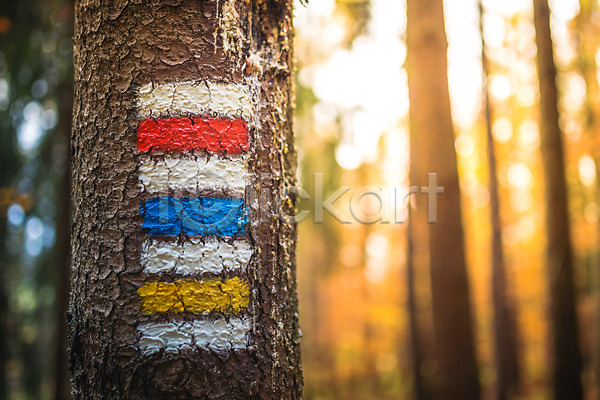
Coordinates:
[505,335]
[432,151]
[585,31]
[414,341]
[564,332]
[120,47]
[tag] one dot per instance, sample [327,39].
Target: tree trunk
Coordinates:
[564,332]
[414,341]
[63,253]
[183,277]
[505,335]
[432,151]
[586,41]
[4,326]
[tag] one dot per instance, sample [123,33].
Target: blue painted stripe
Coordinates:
[205,216]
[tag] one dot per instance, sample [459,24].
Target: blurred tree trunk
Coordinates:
[368,369]
[505,330]
[416,361]
[314,309]
[3,311]
[586,31]
[564,332]
[62,386]
[321,252]
[432,151]
[63,250]
[119,47]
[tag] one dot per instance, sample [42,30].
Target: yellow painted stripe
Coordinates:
[195,296]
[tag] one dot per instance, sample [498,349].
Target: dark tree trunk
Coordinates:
[414,341]
[123,51]
[432,151]
[586,41]
[63,254]
[505,335]
[3,318]
[564,332]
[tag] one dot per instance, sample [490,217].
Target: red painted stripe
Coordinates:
[181,134]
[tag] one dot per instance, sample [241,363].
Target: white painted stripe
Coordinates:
[218,335]
[212,255]
[169,99]
[193,172]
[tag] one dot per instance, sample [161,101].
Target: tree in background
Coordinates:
[505,331]
[564,332]
[585,29]
[432,151]
[414,340]
[138,330]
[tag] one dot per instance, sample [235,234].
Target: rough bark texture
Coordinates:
[564,332]
[432,151]
[119,46]
[505,330]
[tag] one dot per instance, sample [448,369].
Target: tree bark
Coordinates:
[505,335]
[564,332]
[123,51]
[432,151]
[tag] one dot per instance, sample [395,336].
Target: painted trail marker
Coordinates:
[218,335]
[180,99]
[203,216]
[196,250]
[210,255]
[195,296]
[211,134]
[193,172]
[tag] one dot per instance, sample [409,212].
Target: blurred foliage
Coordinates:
[35,100]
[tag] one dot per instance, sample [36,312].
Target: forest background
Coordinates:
[352,125]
